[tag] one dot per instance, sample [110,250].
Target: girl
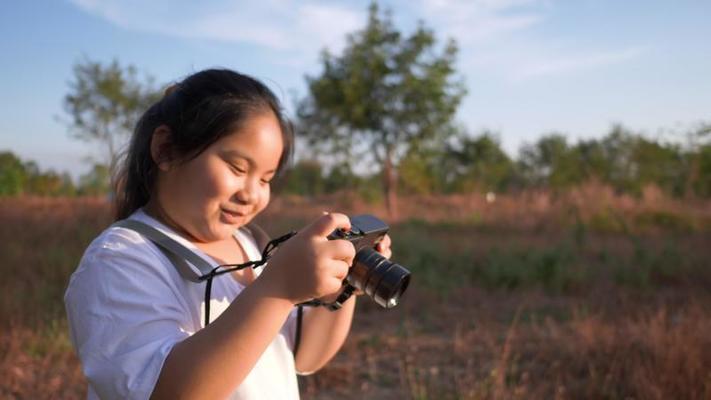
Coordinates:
[198,169]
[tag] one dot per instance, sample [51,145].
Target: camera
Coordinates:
[381,279]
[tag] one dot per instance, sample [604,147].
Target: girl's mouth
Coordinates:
[233,217]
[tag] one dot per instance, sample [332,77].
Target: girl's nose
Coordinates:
[247,192]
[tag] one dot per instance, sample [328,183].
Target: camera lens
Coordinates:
[378,277]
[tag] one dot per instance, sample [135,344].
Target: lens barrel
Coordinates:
[378,277]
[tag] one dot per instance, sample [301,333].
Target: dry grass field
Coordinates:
[533,296]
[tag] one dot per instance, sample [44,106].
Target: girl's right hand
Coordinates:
[309,266]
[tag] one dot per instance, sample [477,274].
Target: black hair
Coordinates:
[200,110]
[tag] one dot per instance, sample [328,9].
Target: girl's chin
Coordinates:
[218,233]
[226,228]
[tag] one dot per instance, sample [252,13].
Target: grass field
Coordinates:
[587,295]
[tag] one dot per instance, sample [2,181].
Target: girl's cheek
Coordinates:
[227,184]
[267,195]
[264,196]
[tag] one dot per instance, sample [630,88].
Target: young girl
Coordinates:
[198,169]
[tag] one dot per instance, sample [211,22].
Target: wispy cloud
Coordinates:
[499,37]
[475,21]
[494,35]
[277,25]
[575,62]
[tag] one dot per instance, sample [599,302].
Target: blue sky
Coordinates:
[531,66]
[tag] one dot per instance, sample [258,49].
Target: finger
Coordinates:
[333,290]
[384,243]
[327,223]
[383,247]
[340,270]
[340,250]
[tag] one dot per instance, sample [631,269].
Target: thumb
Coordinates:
[327,223]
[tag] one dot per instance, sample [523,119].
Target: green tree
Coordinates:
[13,175]
[304,178]
[478,163]
[593,160]
[632,161]
[698,178]
[662,164]
[385,95]
[551,162]
[104,103]
[48,183]
[95,182]
[420,172]
[702,183]
[341,177]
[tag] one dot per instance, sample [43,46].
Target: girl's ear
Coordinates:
[160,147]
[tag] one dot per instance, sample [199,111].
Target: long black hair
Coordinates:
[200,110]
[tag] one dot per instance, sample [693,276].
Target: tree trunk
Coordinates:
[390,185]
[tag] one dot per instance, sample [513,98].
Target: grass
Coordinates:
[449,256]
[563,300]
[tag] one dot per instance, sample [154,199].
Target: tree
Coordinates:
[105,102]
[701,183]
[698,178]
[25,178]
[478,163]
[419,171]
[384,96]
[12,175]
[551,162]
[304,178]
[50,183]
[95,182]
[660,164]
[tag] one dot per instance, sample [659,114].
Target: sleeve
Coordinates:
[125,315]
[289,330]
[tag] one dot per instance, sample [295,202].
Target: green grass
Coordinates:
[568,263]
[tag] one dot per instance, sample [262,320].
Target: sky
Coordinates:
[531,67]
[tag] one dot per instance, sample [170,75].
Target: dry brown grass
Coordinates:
[595,205]
[484,345]
[603,339]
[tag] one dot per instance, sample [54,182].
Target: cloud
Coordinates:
[278,25]
[568,63]
[475,21]
[496,37]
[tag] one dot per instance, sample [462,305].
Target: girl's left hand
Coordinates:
[383,247]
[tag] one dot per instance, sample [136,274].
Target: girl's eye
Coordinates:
[238,169]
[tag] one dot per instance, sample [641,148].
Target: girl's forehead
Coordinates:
[259,136]
[257,132]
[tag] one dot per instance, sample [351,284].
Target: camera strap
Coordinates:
[195,269]
[336,305]
[191,266]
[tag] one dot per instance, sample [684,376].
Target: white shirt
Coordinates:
[128,306]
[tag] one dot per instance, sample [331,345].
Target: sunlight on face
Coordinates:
[228,184]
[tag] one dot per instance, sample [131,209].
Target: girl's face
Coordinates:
[225,186]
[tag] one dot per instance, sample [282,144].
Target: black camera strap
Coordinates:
[190,265]
[196,269]
[346,294]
